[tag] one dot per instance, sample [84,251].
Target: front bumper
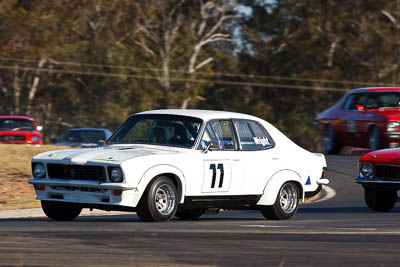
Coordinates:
[323,181]
[393,137]
[361,180]
[85,192]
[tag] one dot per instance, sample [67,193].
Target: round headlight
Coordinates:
[35,138]
[366,170]
[116,175]
[39,171]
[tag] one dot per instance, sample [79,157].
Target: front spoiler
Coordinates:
[80,183]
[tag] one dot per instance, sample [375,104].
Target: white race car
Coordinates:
[167,163]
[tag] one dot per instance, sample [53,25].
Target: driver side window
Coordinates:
[219,133]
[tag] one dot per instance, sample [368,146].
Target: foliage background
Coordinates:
[92,63]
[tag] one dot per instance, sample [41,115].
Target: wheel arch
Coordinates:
[169,171]
[275,183]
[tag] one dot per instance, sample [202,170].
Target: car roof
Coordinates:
[16,117]
[374,89]
[202,114]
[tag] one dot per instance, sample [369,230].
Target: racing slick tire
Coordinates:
[286,203]
[379,200]
[159,202]
[375,141]
[189,214]
[60,211]
[330,143]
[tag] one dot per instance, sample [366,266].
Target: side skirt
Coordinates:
[222,202]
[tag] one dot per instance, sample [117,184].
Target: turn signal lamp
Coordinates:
[117,192]
[39,187]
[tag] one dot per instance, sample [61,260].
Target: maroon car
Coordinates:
[20,130]
[366,117]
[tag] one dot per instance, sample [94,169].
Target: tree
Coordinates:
[328,43]
[169,26]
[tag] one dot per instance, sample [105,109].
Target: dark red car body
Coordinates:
[379,174]
[365,117]
[28,134]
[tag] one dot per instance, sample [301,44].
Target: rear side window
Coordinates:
[252,135]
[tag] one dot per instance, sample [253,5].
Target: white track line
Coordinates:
[329,193]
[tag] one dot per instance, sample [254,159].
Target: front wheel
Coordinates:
[60,211]
[375,140]
[159,201]
[330,143]
[286,203]
[379,200]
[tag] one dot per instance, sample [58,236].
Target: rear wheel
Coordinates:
[330,144]
[159,201]
[189,214]
[286,203]
[379,200]
[60,211]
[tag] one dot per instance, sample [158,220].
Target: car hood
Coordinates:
[104,154]
[390,156]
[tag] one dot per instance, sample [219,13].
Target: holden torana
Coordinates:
[379,175]
[166,163]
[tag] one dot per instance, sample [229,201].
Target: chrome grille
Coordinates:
[387,172]
[76,172]
[12,138]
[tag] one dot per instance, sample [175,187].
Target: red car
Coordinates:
[366,117]
[20,130]
[379,174]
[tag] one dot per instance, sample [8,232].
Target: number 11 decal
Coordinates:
[220,167]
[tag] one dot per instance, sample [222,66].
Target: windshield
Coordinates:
[84,136]
[383,100]
[158,129]
[16,125]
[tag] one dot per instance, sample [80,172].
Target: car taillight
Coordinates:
[324,172]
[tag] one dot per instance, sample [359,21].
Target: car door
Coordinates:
[222,170]
[351,118]
[258,155]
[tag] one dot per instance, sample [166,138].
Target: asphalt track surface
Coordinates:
[339,231]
